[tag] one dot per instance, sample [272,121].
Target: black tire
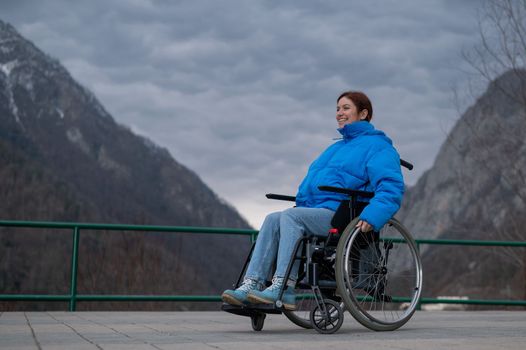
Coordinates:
[258,320]
[327,322]
[304,303]
[379,275]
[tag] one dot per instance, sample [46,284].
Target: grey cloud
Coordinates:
[243,92]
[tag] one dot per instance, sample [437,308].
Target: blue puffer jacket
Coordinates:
[364,160]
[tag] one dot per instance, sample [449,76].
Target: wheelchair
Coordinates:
[376,276]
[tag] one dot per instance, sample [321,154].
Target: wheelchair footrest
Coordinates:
[251,310]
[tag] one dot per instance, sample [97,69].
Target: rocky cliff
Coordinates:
[64,158]
[476,189]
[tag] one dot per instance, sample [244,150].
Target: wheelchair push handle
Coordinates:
[406,164]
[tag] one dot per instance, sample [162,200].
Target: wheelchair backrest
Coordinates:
[342,217]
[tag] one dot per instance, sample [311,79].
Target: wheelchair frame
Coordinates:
[326,315]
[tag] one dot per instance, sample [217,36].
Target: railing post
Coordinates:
[74,268]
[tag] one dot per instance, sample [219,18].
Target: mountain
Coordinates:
[476,189]
[64,158]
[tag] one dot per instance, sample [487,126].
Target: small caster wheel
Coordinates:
[329,321]
[257,321]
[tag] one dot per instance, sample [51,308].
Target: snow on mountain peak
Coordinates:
[6,68]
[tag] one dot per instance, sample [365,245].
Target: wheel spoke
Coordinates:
[330,320]
[304,304]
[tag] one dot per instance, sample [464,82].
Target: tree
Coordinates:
[502,45]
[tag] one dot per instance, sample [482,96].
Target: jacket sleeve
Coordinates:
[385,177]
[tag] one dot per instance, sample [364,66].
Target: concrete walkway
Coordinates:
[218,330]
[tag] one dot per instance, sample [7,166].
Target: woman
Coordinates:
[363,160]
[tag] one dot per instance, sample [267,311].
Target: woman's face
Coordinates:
[347,113]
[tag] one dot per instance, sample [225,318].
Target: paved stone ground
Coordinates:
[218,330]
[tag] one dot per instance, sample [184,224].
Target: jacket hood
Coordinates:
[353,130]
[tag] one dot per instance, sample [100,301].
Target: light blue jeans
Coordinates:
[278,236]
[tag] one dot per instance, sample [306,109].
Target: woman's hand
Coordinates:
[364,226]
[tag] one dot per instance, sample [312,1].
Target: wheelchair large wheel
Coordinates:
[379,275]
[304,304]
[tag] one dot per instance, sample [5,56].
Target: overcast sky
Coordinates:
[244,92]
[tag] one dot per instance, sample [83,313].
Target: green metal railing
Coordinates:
[73,297]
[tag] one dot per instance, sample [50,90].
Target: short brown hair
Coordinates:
[360,100]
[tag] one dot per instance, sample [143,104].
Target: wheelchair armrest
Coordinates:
[280,197]
[346,191]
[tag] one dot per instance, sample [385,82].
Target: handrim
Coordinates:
[345,287]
